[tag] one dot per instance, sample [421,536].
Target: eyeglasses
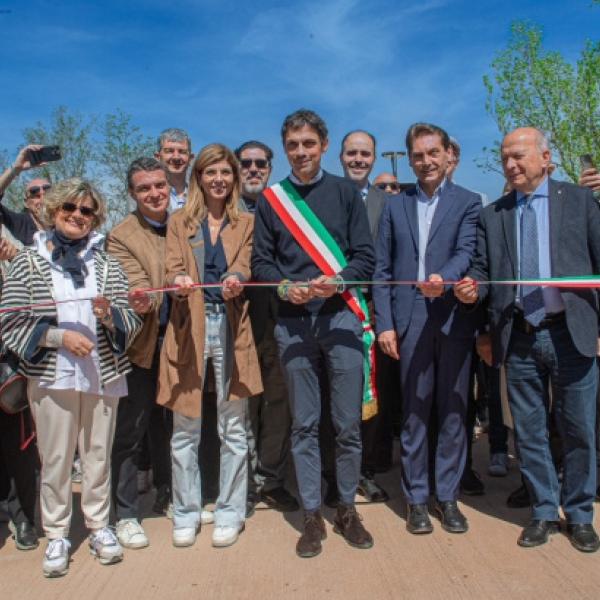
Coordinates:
[70,207]
[35,190]
[393,186]
[261,163]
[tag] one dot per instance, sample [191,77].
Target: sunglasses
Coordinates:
[261,163]
[35,190]
[70,207]
[391,185]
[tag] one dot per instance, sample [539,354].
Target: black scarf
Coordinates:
[66,254]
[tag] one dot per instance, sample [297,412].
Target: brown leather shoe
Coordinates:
[348,522]
[309,544]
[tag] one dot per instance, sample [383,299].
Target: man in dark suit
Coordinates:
[428,234]
[357,156]
[545,336]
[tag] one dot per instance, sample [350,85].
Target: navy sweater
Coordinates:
[276,255]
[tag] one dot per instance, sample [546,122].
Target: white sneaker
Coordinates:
[105,546]
[225,536]
[498,466]
[56,558]
[144,481]
[131,534]
[184,536]
[76,472]
[207,517]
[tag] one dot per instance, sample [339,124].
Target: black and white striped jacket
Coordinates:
[29,281]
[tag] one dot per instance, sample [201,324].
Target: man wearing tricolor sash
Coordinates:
[312,238]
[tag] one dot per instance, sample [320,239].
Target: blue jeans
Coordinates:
[533,363]
[230,510]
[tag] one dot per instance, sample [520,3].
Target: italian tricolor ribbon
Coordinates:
[318,243]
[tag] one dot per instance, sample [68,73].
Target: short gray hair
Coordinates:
[174,135]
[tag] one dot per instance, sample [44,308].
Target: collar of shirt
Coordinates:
[316,178]
[421,195]
[540,192]
[364,192]
[41,238]
[178,200]
[154,223]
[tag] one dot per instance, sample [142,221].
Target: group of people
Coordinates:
[321,301]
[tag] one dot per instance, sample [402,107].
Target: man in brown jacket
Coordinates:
[138,242]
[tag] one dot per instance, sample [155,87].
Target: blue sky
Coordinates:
[229,71]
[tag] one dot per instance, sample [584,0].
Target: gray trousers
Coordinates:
[305,343]
[268,421]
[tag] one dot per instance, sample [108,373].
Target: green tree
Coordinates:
[530,86]
[121,142]
[98,148]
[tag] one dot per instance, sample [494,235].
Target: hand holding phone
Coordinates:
[589,175]
[45,154]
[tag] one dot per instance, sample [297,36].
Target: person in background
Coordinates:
[388,183]
[22,225]
[268,417]
[175,152]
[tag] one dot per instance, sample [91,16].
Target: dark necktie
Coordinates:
[532,298]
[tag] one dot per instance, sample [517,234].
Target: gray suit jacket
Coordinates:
[574,250]
[375,201]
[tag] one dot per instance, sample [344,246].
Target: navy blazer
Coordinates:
[574,250]
[451,244]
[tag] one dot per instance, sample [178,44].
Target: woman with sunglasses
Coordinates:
[70,334]
[209,241]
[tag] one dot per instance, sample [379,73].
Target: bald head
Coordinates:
[525,158]
[388,183]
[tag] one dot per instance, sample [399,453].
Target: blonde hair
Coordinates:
[73,190]
[195,208]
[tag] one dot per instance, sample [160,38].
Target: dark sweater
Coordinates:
[276,255]
[20,224]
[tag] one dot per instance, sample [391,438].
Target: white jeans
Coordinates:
[66,420]
[233,481]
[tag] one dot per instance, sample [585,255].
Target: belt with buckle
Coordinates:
[522,324]
[214,308]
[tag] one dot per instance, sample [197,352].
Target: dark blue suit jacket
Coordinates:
[574,251]
[452,240]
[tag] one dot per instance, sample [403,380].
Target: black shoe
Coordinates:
[453,521]
[519,498]
[471,484]
[314,533]
[162,500]
[417,519]
[371,491]
[537,533]
[583,537]
[280,499]
[251,501]
[332,497]
[25,535]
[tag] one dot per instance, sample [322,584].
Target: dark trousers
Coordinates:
[337,340]
[533,363]
[377,432]
[268,421]
[138,413]
[17,467]
[434,370]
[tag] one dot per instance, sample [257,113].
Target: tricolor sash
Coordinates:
[318,243]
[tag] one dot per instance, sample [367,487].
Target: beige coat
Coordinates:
[181,378]
[141,252]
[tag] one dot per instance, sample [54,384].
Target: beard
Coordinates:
[253,189]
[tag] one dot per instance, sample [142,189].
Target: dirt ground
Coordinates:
[485,563]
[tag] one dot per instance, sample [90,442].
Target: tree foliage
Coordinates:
[98,148]
[530,86]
